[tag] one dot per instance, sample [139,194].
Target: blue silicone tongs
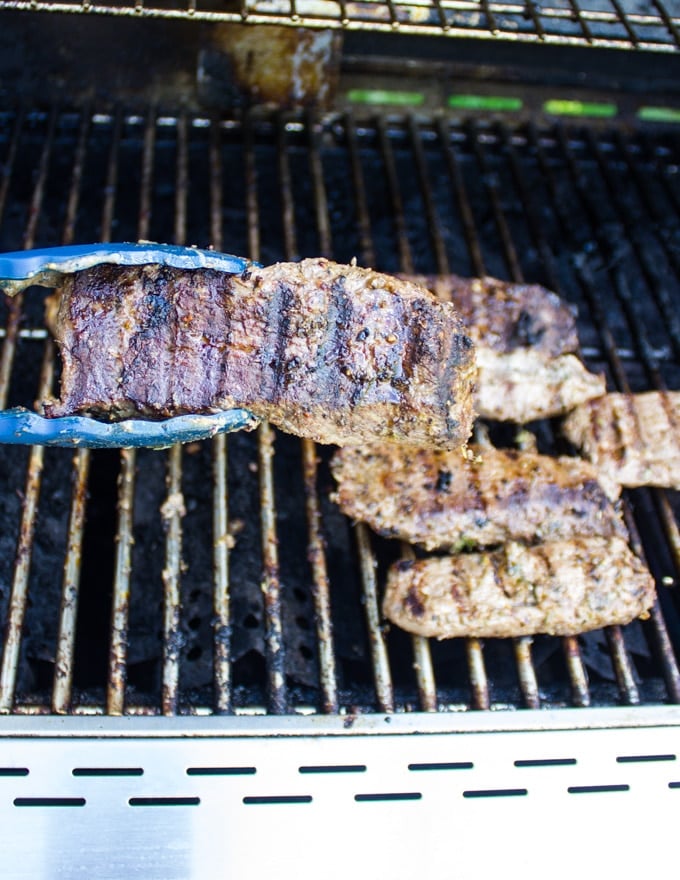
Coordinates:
[45,267]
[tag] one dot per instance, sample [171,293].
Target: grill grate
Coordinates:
[219,578]
[599,23]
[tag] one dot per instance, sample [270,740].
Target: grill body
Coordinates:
[193,656]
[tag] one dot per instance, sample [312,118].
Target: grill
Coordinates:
[192,637]
[602,23]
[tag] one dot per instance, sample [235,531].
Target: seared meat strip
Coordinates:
[506,316]
[526,347]
[631,439]
[525,385]
[442,500]
[557,588]
[335,353]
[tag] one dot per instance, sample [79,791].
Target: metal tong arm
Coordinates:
[46,266]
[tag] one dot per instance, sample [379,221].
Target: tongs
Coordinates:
[46,267]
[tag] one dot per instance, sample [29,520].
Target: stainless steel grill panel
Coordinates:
[302,595]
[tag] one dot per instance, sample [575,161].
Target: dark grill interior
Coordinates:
[219,577]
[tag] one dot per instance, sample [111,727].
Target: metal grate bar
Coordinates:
[657,226]
[378,647]
[572,652]
[220,509]
[433,221]
[173,510]
[623,18]
[381,666]
[491,187]
[398,216]
[19,591]
[422,662]
[523,22]
[63,667]
[359,189]
[120,612]
[522,645]
[620,657]
[271,581]
[636,320]
[668,21]
[13,318]
[462,199]
[479,684]
[315,551]
[583,24]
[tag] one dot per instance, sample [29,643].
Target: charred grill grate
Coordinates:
[219,578]
[602,23]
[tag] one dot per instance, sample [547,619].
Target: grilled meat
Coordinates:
[335,353]
[631,439]
[526,347]
[504,316]
[557,588]
[442,500]
[525,385]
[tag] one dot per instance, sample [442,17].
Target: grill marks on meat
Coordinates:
[335,353]
[526,342]
[557,588]
[444,501]
[631,439]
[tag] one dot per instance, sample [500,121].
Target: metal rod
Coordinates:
[422,657]
[461,197]
[396,203]
[220,511]
[431,214]
[522,645]
[572,653]
[172,512]
[489,179]
[362,215]
[7,166]
[378,648]
[583,24]
[381,667]
[623,18]
[580,693]
[172,509]
[270,584]
[19,591]
[316,547]
[120,609]
[63,668]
